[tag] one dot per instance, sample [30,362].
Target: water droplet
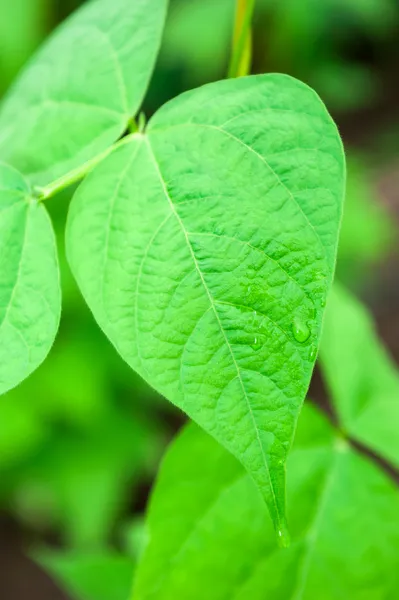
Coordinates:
[283,536]
[312,353]
[256,343]
[300,330]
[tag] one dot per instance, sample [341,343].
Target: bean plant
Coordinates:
[204,242]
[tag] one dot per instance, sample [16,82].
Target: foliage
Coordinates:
[56,117]
[205,245]
[203,318]
[210,327]
[367,231]
[364,383]
[22,28]
[307,39]
[30,290]
[103,576]
[210,536]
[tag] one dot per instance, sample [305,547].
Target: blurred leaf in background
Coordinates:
[313,40]
[78,436]
[367,231]
[210,536]
[198,38]
[23,25]
[101,576]
[362,379]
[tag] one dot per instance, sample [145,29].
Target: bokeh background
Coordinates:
[81,439]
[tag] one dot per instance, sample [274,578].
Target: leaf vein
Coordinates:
[178,218]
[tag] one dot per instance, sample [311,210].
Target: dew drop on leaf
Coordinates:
[283,537]
[300,330]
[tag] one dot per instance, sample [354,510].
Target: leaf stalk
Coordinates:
[76,175]
[241,54]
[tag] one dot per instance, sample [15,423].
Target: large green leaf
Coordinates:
[77,94]
[209,535]
[363,381]
[30,297]
[205,249]
[101,576]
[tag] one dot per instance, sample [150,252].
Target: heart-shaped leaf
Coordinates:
[206,248]
[77,94]
[30,296]
[209,535]
[363,381]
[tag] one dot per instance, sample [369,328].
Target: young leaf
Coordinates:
[363,381]
[99,576]
[205,249]
[78,93]
[209,535]
[30,296]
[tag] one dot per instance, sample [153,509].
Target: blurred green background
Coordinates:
[80,440]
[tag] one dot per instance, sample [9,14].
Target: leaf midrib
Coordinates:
[260,157]
[212,304]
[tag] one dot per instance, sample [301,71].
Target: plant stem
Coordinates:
[241,54]
[132,125]
[76,175]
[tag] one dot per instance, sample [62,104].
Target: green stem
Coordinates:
[76,175]
[132,125]
[241,54]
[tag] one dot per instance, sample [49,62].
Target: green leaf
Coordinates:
[210,536]
[78,93]
[100,576]
[362,378]
[30,297]
[205,249]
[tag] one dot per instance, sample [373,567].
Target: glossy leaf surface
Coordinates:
[30,296]
[77,94]
[205,249]
[363,381]
[210,536]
